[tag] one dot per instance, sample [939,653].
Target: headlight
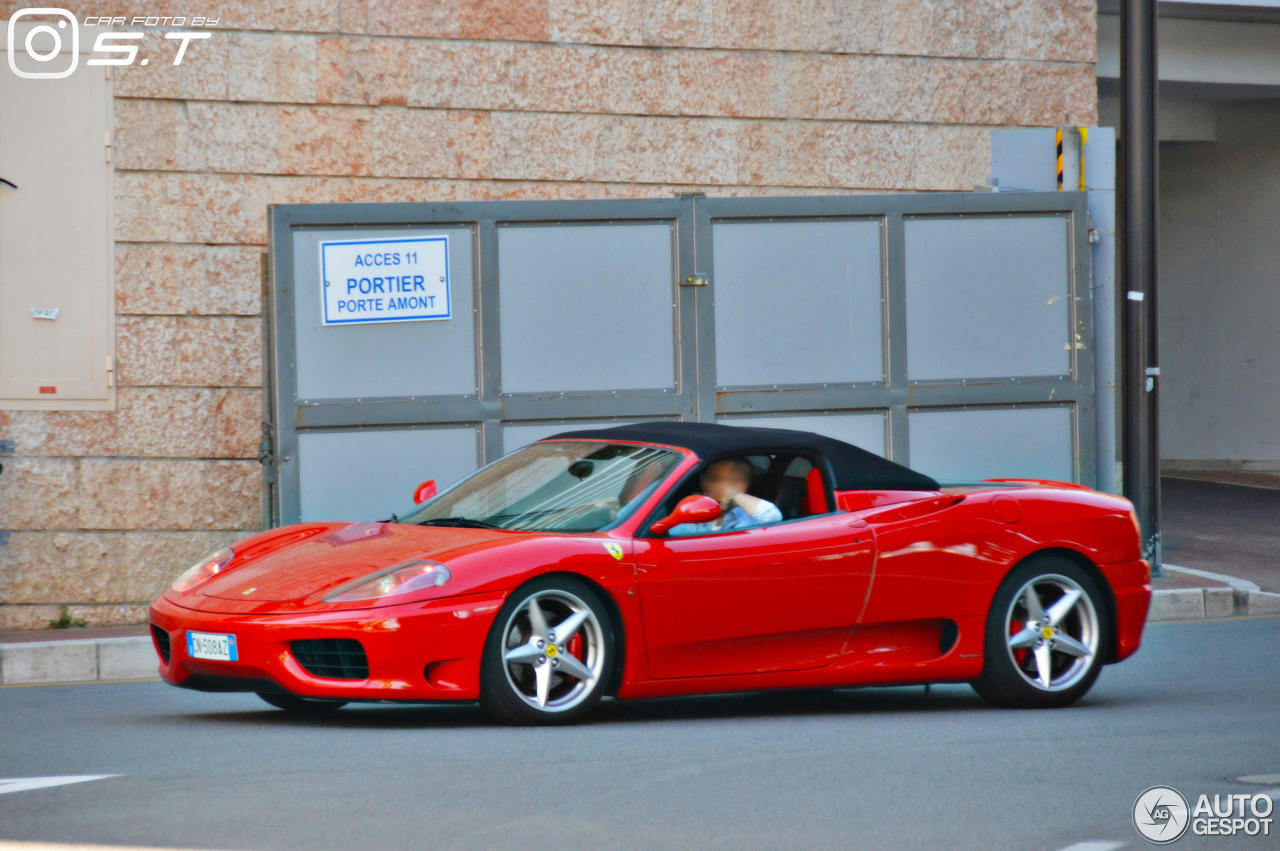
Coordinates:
[402,579]
[204,570]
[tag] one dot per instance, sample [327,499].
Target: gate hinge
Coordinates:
[4,539]
[8,447]
[266,454]
[1095,236]
[697,279]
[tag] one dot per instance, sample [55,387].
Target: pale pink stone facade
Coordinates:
[458,99]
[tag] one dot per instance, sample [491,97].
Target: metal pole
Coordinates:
[1139,152]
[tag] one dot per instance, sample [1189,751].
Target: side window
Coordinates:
[791,494]
[790,481]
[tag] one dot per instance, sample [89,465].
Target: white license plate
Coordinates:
[210,645]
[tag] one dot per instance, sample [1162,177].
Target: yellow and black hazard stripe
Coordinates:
[1059,140]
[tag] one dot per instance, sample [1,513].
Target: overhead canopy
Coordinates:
[852,468]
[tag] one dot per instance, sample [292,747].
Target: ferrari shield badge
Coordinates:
[614,549]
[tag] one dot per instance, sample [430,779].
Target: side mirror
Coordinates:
[692,509]
[425,491]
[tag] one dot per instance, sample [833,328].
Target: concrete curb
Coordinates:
[76,661]
[1239,599]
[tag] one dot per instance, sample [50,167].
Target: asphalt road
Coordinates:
[1224,528]
[876,768]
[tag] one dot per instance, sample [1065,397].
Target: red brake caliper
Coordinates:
[1020,653]
[575,646]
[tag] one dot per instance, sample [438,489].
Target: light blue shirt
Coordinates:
[735,518]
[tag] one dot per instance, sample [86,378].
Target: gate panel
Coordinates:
[378,360]
[797,302]
[988,296]
[948,332]
[345,473]
[866,429]
[1023,442]
[515,436]
[982,305]
[587,307]
[587,327]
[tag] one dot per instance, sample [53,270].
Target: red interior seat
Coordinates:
[815,493]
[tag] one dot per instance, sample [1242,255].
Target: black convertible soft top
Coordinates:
[852,468]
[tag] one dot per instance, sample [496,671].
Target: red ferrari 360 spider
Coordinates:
[591,564]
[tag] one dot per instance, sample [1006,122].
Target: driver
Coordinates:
[726,481]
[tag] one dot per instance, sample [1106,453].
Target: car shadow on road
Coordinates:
[861,701]
[743,705]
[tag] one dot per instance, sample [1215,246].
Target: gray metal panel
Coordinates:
[586,307]
[987,296]
[370,473]
[772,278]
[863,429]
[987,443]
[431,358]
[516,436]
[896,343]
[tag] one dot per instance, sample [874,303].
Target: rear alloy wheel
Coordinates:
[302,705]
[548,655]
[1047,634]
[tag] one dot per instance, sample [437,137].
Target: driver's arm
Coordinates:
[761,510]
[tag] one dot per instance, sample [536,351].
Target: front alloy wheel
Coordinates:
[548,655]
[1046,636]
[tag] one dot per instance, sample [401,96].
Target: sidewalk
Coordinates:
[1185,593]
[30,657]
[1224,523]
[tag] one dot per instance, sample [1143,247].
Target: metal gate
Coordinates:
[949,332]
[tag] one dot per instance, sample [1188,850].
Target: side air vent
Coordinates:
[332,658]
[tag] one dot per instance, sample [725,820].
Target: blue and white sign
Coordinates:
[385,280]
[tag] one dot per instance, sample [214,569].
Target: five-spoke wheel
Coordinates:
[549,654]
[1046,635]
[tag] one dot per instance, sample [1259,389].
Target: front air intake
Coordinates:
[161,639]
[332,658]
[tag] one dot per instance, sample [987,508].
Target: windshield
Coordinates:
[569,486]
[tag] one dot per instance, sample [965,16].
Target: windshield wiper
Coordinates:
[463,522]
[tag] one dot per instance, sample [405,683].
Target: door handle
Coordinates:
[8,183]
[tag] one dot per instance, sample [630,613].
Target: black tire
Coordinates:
[1016,642]
[301,705]
[511,690]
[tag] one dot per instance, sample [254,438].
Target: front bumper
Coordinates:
[416,651]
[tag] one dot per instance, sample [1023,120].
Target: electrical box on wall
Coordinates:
[56,238]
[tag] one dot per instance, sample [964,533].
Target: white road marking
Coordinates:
[60,846]
[25,784]
[1265,779]
[1095,845]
